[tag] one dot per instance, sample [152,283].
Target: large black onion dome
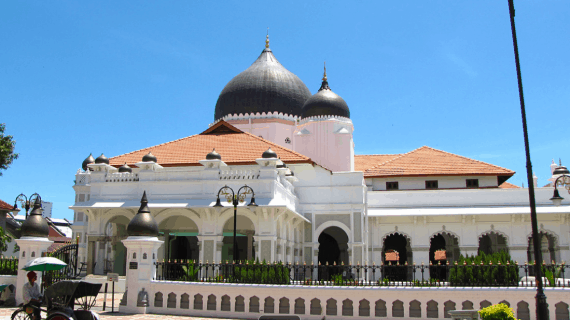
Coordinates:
[267,154]
[35,225]
[102,159]
[143,223]
[149,158]
[88,160]
[325,103]
[266,86]
[125,168]
[213,155]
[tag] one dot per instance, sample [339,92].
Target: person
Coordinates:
[32,294]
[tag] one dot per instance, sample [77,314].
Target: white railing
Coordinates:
[315,302]
[251,174]
[122,177]
[82,178]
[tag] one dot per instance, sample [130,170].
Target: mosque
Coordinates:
[316,200]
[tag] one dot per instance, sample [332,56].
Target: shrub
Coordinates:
[497,312]
[494,270]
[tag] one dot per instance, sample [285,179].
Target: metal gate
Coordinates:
[67,254]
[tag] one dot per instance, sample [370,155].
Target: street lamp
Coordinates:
[25,202]
[235,199]
[541,304]
[563,180]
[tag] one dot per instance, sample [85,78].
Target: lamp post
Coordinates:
[235,199]
[541,305]
[25,201]
[563,180]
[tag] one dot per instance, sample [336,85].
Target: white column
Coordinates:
[421,254]
[30,249]
[141,269]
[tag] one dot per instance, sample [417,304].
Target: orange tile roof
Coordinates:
[5,206]
[426,161]
[506,185]
[364,162]
[235,146]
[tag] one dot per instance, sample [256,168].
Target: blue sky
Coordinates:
[113,77]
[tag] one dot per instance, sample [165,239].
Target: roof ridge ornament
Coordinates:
[267,39]
[325,84]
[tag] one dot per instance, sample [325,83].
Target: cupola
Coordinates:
[88,160]
[102,159]
[325,102]
[143,223]
[268,154]
[35,225]
[149,158]
[125,168]
[213,155]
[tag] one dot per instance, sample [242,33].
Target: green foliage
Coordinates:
[7,145]
[497,312]
[551,273]
[252,271]
[190,273]
[494,269]
[9,266]
[4,240]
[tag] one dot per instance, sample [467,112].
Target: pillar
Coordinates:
[141,269]
[249,234]
[421,254]
[30,249]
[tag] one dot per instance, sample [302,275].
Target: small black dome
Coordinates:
[269,154]
[213,155]
[143,223]
[266,86]
[35,225]
[560,170]
[88,160]
[102,159]
[149,158]
[282,165]
[325,103]
[125,168]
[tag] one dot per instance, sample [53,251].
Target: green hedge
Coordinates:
[492,270]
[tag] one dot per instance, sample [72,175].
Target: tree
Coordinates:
[4,240]
[7,145]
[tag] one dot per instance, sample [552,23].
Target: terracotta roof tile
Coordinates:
[506,185]
[5,206]
[368,161]
[235,146]
[426,161]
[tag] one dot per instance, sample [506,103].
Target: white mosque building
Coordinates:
[317,200]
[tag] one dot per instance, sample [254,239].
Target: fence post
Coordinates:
[30,249]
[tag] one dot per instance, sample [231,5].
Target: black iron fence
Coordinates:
[446,275]
[9,266]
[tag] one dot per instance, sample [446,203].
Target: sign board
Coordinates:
[133,265]
[440,255]
[113,277]
[392,255]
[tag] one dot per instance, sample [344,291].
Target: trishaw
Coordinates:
[66,300]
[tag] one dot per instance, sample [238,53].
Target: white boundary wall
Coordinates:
[179,298]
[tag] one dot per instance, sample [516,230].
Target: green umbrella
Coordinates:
[44,264]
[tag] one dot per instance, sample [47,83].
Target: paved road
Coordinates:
[5,313]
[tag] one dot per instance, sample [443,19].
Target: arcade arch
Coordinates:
[447,242]
[180,238]
[245,230]
[548,247]
[398,247]
[115,251]
[491,242]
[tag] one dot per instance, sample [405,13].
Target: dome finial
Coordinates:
[325,84]
[267,38]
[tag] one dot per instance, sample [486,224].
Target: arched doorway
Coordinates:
[245,230]
[333,249]
[115,251]
[444,248]
[548,247]
[396,252]
[180,238]
[492,242]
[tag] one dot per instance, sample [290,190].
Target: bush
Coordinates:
[496,269]
[255,272]
[497,312]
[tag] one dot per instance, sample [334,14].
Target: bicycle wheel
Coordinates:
[21,314]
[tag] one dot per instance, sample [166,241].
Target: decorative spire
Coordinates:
[267,39]
[325,84]
[560,162]
[143,223]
